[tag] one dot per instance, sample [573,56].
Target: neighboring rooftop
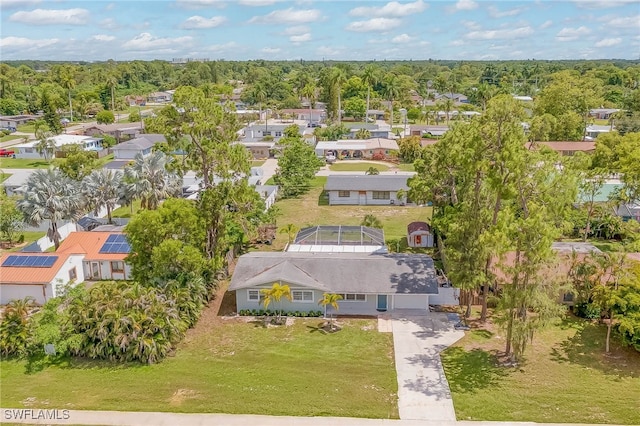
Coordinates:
[344,182]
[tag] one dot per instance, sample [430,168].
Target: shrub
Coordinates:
[587,310]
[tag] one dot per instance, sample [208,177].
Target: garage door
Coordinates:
[410,301]
[20,291]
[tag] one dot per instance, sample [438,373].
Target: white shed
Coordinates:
[419,235]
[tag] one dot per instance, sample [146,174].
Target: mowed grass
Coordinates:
[312,209]
[565,378]
[357,167]
[8,138]
[31,163]
[235,367]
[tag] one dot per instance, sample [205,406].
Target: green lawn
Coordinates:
[127,211]
[347,166]
[29,237]
[406,167]
[257,163]
[23,163]
[10,138]
[313,209]
[27,128]
[566,378]
[234,367]
[4,176]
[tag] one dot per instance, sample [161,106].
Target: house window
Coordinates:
[117,267]
[73,274]
[381,195]
[28,150]
[278,134]
[354,297]
[253,295]
[266,133]
[302,295]
[344,194]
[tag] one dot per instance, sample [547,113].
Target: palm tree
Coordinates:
[372,171]
[291,230]
[102,189]
[336,79]
[68,82]
[309,92]
[45,146]
[150,181]
[391,90]
[14,327]
[112,83]
[330,299]
[363,134]
[371,221]
[369,77]
[447,105]
[275,294]
[259,94]
[50,195]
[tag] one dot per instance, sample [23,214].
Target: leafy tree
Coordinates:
[105,117]
[50,195]
[101,189]
[134,117]
[628,310]
[363,134]
[173,258]
[77,162]
[330,299]
[274,295]
[391,90]
[291,230]
[108,141]
[10,218]
[410,148]
[371,221]
[297,166]
[48,106]
[355,107]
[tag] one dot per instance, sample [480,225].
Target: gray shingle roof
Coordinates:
[366,182]
[370,273]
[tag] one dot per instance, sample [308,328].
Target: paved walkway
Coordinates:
[268,169]
[122,418]
[423,390]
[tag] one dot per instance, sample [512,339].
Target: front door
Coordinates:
[95,270]
[362,195]
[382,302]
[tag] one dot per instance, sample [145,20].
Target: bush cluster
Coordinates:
[269,313]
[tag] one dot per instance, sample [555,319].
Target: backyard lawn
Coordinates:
[232,367]
[127,211]
[566,378]
[23,163]
[312,209]
[4,176]
[8,138]
[346,166]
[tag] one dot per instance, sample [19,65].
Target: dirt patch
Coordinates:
[181,395]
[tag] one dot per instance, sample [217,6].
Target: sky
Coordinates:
[315,30]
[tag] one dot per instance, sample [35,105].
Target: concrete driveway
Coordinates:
[423,390]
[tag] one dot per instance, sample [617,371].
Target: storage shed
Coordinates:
[419,235]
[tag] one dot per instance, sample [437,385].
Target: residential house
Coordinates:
[369,283]
[419,235]
[260,150]
[366,189]
[16,120]
[87,143]
[272,130]
[104,254]
[375,130]
[160,97]
[565,148]
[593,131]
[629,211]
[143,144]
[15,183]
[603,113]
[269,194]
[305,114]
[423,130]
[120,131]
[376,148]
[377,114]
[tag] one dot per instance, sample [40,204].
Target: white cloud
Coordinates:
[402,38]
[622,21]
[607,42]
[270,50]
[510,33]
[103,37]
[146,41]
[546,24]
[300,38]
[471,25]
[11,4]
[52,17]
[110,6]
[257,2]
[456,43]
[288,16]
[466,5]
[375,24]
[393,9]
[327,51]
[200,22]
[570,34]
[109,24]
[297,30]
[601,4]
[494,12]
[22,43]
[200,4]
[218,48]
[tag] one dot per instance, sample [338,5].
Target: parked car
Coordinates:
[7,152]
[9,129]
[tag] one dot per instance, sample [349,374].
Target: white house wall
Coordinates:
[446,296]
[62,277]
[125,154]
[20,291]
[45,243]
[410,301]
[354,198]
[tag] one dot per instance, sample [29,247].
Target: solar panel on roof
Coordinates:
[30,261]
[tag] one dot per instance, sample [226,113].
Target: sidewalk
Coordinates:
[127,418]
